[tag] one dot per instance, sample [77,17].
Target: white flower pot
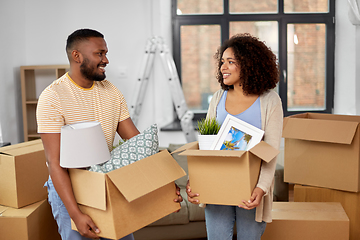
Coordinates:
[205,141]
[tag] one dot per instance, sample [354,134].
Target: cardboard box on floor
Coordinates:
[23,172]
[322,150]
[129,198]
[225,177]
[33,222]
[350,201]
[310,221]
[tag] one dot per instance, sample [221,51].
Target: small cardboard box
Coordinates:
[322,150]
[33,222]
[225,177]
[310,221]
[129,198]
[350,201]
[23,173]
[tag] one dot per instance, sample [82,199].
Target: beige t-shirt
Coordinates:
[64,102]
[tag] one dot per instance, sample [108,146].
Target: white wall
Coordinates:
[34,33]
[345,62]
[12,33]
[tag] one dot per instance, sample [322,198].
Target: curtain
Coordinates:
[354,12]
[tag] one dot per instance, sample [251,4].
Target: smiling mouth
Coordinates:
[225,75]
[102,68]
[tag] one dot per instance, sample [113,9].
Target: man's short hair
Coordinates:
[78,36]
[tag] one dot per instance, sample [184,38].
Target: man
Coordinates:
[80,95]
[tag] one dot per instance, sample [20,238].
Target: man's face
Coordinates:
[94,59]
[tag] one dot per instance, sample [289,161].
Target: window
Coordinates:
[301,34]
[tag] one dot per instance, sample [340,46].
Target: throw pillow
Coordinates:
[138,147]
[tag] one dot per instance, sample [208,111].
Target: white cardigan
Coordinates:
[272,124]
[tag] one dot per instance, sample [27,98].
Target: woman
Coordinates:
[247,72]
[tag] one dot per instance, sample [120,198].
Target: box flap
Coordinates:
[2,209]
[22,148]
[320,130]
[185,147]
[264,151]
[192,149]
[89,188]
[212,153]
[144,176]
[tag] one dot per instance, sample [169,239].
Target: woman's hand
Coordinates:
[191,195]
[254,200]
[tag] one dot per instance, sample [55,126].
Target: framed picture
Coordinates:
[236,134]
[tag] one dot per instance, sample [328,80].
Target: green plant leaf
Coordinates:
[208,126]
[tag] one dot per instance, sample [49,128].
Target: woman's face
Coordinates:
[230,69]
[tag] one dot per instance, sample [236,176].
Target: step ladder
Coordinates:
[154,45]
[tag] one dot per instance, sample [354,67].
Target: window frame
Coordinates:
[283,19]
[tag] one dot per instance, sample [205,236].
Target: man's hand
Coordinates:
[191,195]
[254,200]
[179,199]
[86,227]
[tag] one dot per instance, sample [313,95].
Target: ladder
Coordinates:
[184,114]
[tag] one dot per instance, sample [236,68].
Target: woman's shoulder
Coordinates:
[271,100]
[271,95]
[217,95]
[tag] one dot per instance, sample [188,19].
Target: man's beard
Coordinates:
[88,72]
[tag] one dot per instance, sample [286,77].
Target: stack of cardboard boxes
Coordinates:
[322,159]
[24,210]
[235,174]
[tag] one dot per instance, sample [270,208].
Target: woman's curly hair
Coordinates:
[259,70]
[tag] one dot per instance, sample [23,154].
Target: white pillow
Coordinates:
[138,147]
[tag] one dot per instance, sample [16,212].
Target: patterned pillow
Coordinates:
[138,147]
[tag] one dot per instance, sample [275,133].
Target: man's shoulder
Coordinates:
[60,82]
[108,86]
[56,86]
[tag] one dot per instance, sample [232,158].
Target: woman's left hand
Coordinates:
[254,200]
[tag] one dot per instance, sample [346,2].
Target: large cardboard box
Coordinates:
[129,198]
[349,200]
[322,150]
[310,221]
[23,173]
[33,222]
[225,177]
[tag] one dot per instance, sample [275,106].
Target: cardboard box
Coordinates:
[23,172]
[33,222]
[234,174]
[349,200]
[322,150]
[310,221]
[129,198]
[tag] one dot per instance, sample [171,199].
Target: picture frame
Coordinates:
[236,134]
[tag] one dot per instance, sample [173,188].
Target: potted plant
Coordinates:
[208,129]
